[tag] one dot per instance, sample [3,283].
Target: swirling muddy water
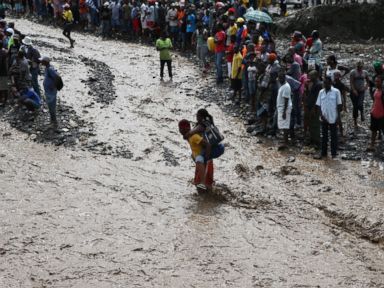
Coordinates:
[116,208]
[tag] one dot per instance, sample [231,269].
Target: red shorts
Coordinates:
[136,24]
[208,175]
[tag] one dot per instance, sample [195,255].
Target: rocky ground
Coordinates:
[110,203]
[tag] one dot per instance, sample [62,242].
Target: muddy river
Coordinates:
[107,202]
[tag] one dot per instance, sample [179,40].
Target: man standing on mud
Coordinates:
[50,76]
[359,80]
[330,104]
[33,56]
[163,45]
[219,52]
[284,108]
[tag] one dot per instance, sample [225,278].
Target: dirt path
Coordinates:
[114,208]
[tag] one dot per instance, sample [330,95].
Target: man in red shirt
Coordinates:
[220,38]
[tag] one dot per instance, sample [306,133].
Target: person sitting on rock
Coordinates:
[21,78]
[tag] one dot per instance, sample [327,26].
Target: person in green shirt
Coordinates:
[164,44]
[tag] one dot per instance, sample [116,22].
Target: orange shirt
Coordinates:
[83,9]
[180,16]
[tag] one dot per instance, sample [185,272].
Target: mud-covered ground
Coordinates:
[115,208]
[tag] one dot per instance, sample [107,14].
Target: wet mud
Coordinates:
[37,127]
[118,207]
[100,81]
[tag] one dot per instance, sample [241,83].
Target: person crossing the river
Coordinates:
[198,144]
[68,23]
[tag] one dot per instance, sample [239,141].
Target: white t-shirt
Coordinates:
[144,10]
[328,102]
[284,93]
[172,17]
[252,71]
[151,14]
[331,72]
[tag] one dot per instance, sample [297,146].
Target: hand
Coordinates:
[323,119]
[354,92]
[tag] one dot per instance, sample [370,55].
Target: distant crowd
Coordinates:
[294,90]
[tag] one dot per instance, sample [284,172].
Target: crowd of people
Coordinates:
[295,89]
[20,66]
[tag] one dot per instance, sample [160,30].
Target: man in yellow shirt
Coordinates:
[68,23]
[237,74]
[201,152]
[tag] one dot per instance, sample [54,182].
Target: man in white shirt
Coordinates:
[171,19]
[329,103]
[143,15]
[284,107]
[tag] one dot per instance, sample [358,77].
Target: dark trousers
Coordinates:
[325,127]
[67,30]
[358,104]
[162,64]
[296,109]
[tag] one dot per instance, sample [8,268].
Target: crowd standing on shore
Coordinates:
[292,91]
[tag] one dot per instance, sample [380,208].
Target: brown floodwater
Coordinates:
[71,217]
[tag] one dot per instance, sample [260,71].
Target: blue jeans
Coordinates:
[219,66]
[115,24]
[38,8]
[51,102]
[35,82]
[251,88]
[94,17]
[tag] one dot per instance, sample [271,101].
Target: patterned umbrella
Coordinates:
[258,16]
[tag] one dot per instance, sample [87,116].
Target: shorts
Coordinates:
[284,124]
[236,84]
[68,27]
[216,152]
[377,124]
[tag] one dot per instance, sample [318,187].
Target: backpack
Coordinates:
[212,134]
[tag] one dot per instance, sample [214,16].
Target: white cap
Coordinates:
[27,41]
[10,30]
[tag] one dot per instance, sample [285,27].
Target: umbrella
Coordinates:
[258,16]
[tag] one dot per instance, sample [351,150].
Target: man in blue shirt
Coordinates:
[191,25]
[50,78]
